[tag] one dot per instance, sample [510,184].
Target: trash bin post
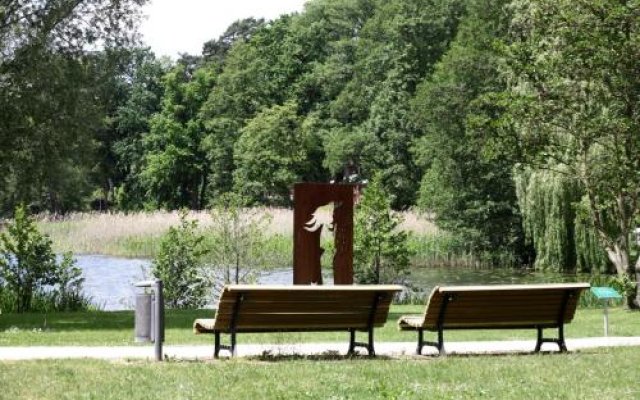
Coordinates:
[159,319]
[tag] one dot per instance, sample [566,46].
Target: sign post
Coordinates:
[605,294]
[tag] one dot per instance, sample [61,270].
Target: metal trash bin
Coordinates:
[149,315]
[144,311]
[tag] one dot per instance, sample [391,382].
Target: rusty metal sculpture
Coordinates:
[307,229]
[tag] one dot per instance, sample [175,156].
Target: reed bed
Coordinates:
[138,235]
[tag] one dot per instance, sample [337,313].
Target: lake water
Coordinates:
[109,280]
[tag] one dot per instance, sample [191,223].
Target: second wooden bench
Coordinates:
[537,307]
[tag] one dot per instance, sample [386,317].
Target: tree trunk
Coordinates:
[619,256]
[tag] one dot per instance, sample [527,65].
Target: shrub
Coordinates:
[179,264]
[238,241]
[381,254]
[29,269]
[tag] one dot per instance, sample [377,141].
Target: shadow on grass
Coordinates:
[268,356]
[525,354]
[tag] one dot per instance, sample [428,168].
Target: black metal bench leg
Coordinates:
[352,341]
[233,344]
[439,345]
[441,342]
[370,348]
[562,345]
[539,341]
[368,345]
[216,347]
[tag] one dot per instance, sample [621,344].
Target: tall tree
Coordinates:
[271,155]
[554,221]
[573,107]
[469,194]
[48,92]
[215,50]
[130,123]
[380,251]
[48,115]
[175,170]
[398,46]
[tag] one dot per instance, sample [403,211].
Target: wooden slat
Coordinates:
[343,310]
[299,296]
[301,307]
[274,316]
[498,288]
[312,288]
[279,321]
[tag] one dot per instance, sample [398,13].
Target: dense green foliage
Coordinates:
[554,221]
[180,265]
[53,96]
[380,251]
[31,277]
[572,107]
[471,196]
[457,106]
[319,95]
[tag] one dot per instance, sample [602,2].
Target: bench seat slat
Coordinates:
[356,298]
[299,307]
[307,289]
[279,320]
[325,314]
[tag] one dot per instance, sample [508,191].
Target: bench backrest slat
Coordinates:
[503,305]
[303,307]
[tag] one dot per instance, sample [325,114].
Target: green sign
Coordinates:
[604,293]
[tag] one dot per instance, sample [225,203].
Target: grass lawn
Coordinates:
[592,374]
[116,328]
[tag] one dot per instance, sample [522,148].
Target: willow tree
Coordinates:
[573,106]
[553,221]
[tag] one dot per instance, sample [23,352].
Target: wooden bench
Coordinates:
[256,308]
[496,307]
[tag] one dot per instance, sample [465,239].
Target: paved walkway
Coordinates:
[391,349]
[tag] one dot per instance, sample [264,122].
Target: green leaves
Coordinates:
[51,104]
[574,88]
[238,247]
[471,195]
[270,155]
[574,103]
[28,264]
[179,264]
[380,250]
[174,170]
